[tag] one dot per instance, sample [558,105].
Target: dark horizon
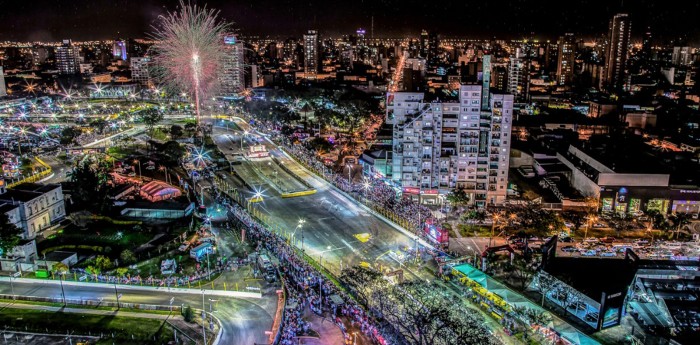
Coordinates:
[44,20]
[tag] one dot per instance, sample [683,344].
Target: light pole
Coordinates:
[349,172]
[301,227]
[320,285]
[591,219]
[242,136]
[493,227]
[204,330]
[116,293]
[63,292]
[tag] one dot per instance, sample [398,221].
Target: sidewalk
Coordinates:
[328,331]
[23,306]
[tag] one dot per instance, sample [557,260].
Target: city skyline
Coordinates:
[47,21]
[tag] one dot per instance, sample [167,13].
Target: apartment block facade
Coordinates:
[441,146]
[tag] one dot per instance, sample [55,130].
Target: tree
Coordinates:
[543,284]
[9,234]
[521,270]
[103,262]
[188,314]
[60,268]
[127,257]
[173,151]
[90,178]
[176,131]
[679,220]
[68,134]
[121,271]
[362,281]
[190,127]
[458,197]
[576,218]
[99,125]
[94,270]
[151,117]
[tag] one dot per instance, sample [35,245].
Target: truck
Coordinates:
[264,263]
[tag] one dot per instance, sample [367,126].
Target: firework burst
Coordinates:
[189,51]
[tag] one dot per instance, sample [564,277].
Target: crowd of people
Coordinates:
[306,287]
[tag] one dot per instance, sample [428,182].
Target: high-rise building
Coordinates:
[438,147]
[311,56]
[232,76]
[140,70]
[518,77]
[485,82]
[566,59]
[617,51]
[119,50]
[433,49]
[681,56]
[646,44]
[499,78]
[424,44]
[67,58]
[39,55]
[3,90]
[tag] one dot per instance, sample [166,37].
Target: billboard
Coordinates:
[435,233]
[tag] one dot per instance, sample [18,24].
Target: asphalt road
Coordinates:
[336,230]
[244,321]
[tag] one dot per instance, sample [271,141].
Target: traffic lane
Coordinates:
[242,319]
[277,175]
[334,221]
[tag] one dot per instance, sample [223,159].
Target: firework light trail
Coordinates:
[189,51]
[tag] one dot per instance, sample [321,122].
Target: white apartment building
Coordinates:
[39,206]
[438,147]
[232,76]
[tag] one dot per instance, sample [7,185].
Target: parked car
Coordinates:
[568,249]
[589,253]
[608,254]
[608,239]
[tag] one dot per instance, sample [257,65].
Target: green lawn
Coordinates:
[123,328]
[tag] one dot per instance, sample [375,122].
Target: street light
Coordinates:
[300,225]
[591,219]
[320,285]
[204,330]
[349,172]
[493,226]
[63,292]
[244,134]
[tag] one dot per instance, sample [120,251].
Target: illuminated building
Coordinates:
[566,59]
[139,70]
[67,59]
[682,56]
[119,50]
[485,82]
[518,77]
[232,76]
[3,90]
[617,51]
[438,147]
[311,57]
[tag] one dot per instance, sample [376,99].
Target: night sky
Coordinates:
[105,19]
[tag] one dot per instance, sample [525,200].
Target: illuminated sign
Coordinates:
[230,40]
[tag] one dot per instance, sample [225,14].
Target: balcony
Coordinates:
[444,170]
[427,157]
[425,171]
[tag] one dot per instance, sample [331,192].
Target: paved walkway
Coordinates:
[327,330]
[144,315]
